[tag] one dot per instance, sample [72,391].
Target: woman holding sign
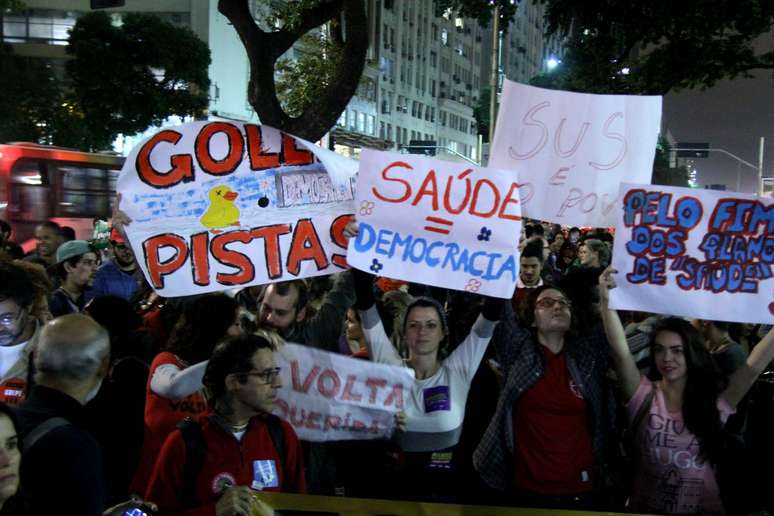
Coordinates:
[435,407]
[546,444]
[678,412]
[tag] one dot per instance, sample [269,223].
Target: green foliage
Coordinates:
[664,45]
[480,10]
[30,97]
[663,174]
[128,77]
[482,113]
[302,81]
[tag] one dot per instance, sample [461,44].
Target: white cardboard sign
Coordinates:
[440,223]
[217,205]
[695,253]
[572,150]
[331,397]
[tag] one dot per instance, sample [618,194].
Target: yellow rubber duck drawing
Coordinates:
[222,211]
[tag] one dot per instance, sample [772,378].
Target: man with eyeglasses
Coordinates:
[76,265]
[117,276]
[242,447]
[17,332]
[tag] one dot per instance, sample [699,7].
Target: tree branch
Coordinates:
[283,39]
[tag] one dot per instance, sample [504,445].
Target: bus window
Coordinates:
[29,200]
[85,192]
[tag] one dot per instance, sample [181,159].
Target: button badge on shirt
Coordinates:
[436,398]
[264,475]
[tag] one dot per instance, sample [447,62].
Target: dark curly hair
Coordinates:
[203,324]
[703,385]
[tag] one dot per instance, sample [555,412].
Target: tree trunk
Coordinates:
[264,48]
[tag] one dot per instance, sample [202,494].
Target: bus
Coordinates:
[41,182]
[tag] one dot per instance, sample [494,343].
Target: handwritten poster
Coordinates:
[572,150]
[436,222]
[697,253]
[330,397]
[217,205]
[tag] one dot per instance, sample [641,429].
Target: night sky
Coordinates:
[733,116]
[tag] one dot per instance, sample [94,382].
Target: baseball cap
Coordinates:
[116,236]
[72,249]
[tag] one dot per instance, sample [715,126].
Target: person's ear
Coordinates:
[232,382]
[301,315]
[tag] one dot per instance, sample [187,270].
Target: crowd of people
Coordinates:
[118,401]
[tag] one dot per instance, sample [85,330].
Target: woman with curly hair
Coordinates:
[677,412]
[174,385]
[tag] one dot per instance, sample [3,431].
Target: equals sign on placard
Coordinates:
[443,222]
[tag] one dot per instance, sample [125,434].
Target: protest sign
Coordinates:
[572,150]
[695,253]
[437,222]
[217,205]
[331,397]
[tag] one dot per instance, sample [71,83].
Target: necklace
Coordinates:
[238,428]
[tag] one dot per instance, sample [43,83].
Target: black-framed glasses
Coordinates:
[550,302]
[267,376]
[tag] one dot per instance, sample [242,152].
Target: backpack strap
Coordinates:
[274,425]
[195,453]
[42,429]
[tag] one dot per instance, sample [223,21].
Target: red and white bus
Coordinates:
[40,182]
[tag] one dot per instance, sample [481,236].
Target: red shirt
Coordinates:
[161,417]
[552,452]
[228,462]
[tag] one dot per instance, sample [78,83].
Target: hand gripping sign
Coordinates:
[217,205]
[572,150]
[329,397]
[695,253]
[437,222]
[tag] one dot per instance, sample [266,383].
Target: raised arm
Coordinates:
[625,366]
[467,356]
[171,382]
[743,378]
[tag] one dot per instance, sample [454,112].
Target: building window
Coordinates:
[353,120]
[370,123]
[342,122]
[381,131]
[361,122]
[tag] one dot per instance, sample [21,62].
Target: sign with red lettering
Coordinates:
[332,397]
[697,253]
[572,150]
[441,223]
[217,205]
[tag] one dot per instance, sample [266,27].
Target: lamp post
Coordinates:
[494,79]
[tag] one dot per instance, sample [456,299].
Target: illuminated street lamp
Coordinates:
[552,63]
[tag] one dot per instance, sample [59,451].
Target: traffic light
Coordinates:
[697,150]
[106,4]
[426,147]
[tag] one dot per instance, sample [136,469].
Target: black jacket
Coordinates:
[62,472]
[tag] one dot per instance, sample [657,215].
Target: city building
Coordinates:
[423,76]
[41,31]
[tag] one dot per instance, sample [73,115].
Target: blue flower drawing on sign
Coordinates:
[485,234]
[376,266]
